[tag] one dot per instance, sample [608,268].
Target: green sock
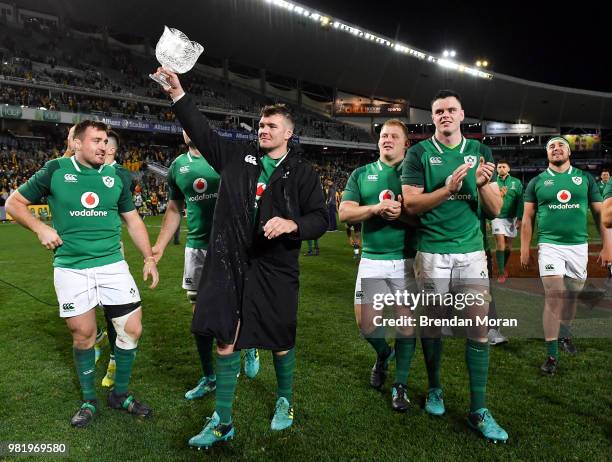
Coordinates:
[552,348]
[432,353]
[284,367]
[124,359]
[85,362]
[404,351]
[378,341]
[500,256]
[204,343]
[477,360]
[228,367]
[507,256]
[309,246]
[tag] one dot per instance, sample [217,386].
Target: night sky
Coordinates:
[535,41]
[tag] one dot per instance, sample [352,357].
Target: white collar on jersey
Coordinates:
[78,169]
[397,167]
[435,143]
[568,171]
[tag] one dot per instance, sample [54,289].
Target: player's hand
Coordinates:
[150,268]
[277,226]
[484,172]
[456,181]
[525,259]
[158,252]
[391,210]
[605,257]
[49,238]
[503,190]
[175,89]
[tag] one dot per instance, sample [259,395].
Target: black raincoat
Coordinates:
[248,278]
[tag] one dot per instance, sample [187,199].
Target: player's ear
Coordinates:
[288,133]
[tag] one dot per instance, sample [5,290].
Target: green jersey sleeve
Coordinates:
[487,154]
[39,184]
[351,192]
[520,201]
[530,195]
[594,193]
[125,204]
[412,169]
[174,192]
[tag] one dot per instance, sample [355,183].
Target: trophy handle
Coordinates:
[161,79]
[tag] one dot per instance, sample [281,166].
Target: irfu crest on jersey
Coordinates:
[470,160]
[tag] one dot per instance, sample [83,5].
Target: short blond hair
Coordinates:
[396,123]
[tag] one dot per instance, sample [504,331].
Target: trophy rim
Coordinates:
[171,33]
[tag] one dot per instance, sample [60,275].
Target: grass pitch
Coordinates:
[338,416]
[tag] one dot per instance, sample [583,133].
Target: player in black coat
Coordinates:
[269,200]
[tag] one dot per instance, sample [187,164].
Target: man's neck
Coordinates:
[451,140]
[277,153]
[194,153]
[391,161]
[79,158]
[108,160]
[504,176]
[561,168]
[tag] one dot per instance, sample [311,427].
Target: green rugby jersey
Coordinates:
[562,201]
[513,197]
[382,239]
[454,225]
[85,204]
[123,172]
[193,180]
[602,186]
[607,192]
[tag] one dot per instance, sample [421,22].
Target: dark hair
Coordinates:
[82,126]
[278,108]
[504,161]
[396,123]
[442,94]
[605,170]
[113,134]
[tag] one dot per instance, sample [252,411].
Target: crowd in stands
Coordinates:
[21,158]
[87,63]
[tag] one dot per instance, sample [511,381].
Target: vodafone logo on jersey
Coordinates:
[200,185]
[564,196]
[90,200]
[386,195]
[261,187]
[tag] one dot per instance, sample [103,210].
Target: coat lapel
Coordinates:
[284,169]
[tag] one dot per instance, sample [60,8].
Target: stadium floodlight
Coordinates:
[478,63]
[327,21]
[485,63]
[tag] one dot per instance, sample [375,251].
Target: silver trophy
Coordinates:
[176,52]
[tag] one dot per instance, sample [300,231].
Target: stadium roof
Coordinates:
[263,35]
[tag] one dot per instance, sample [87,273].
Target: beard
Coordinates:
[558,162]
